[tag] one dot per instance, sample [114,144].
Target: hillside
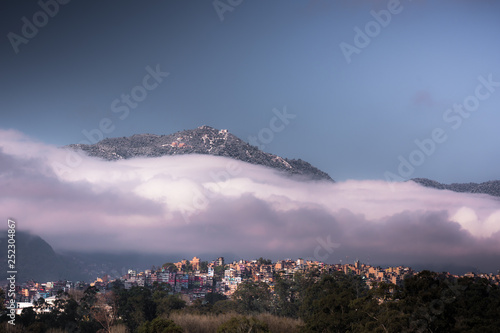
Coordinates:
[202,140]
[491,187]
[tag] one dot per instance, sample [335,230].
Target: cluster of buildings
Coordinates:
[196,283]
[32,291]
[194,279]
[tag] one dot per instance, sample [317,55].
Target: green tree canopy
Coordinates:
[262,261]
[253,297]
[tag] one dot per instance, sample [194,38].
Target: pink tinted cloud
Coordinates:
[202,204]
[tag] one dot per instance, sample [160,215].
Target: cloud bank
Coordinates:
[205,204]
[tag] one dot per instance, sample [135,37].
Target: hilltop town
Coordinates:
[194,279]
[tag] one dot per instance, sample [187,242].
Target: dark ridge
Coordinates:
[491,187]
[36,260]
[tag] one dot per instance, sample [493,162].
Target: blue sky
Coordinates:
[367,91]
[353,120]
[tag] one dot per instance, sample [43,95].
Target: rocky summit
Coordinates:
[202,140]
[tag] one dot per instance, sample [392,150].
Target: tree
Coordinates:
[225,306]
[28,316]
[65,312]
[165,304]
[204,266]
[116,285]
[213,298]
[87,301]
[170,267]
[136,306]
[286,297]
[328,304]
[378,311]
[2,300]
[253,297]
[219,272]
[262,261]
[87,322]
[105,310]
[198,307]
[40,305]
[188,267]
[424,300]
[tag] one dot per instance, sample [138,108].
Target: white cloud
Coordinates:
[206,203]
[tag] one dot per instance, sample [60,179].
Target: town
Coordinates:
[194,279]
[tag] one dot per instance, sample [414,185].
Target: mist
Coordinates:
[214,205]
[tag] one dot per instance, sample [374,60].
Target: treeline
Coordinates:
[427,302]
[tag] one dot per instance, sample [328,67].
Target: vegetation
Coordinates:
[427,302]
[170,267]
[253,297]
[243,324]
[210,323]
[262,261]
[160,325]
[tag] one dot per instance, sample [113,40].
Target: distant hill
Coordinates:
[35,259]
[491,187]
[202,140]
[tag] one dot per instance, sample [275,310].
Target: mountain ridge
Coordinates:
[203,140]
[491,187]
[37,260]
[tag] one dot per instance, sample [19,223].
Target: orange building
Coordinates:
[195,263]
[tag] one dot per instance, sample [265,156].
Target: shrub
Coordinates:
[243,324]
[160,325]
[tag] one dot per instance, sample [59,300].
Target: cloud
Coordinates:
[206,204]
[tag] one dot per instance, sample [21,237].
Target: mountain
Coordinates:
[202,140]
[35,259]
[491,187]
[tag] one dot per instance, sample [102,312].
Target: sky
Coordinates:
[375,92]
[360,102]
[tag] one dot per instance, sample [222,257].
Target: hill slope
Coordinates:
[491,187]
[35,259]
[202,140]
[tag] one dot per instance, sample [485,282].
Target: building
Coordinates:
[195,263]
[220,261]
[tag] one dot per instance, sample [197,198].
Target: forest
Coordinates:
[426,302]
